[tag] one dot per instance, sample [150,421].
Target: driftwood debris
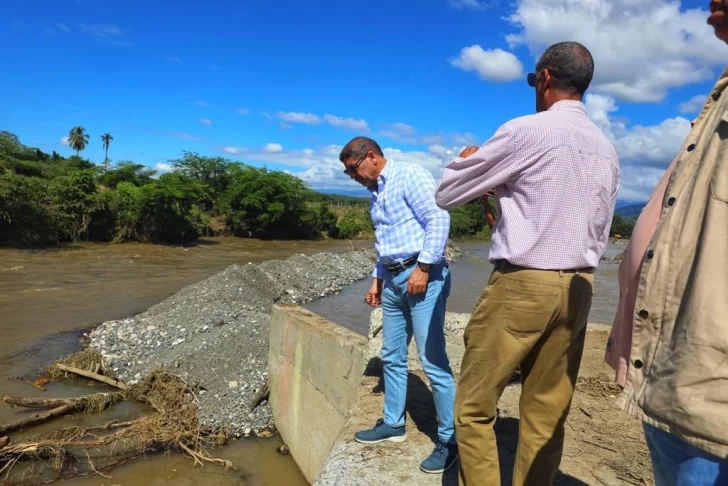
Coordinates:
[35,419]
[35,384]
[87,403]
[93,376]
[172,426]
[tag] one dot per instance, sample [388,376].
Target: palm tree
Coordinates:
[106,139]
[78,139]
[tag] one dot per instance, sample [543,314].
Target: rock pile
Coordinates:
[215,333]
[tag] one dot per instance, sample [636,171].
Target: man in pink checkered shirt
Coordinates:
[555,176]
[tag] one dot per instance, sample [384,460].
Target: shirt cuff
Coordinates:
[427,257]
[379,271]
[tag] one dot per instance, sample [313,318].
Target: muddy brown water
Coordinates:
[49,297]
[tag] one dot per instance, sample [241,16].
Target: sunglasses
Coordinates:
[531,78]
[354,167]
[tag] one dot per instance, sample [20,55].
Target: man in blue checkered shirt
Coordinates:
[412,284]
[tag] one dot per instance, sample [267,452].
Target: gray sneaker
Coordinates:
[381,433]
[442,458]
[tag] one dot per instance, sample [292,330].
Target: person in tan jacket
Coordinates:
[677,379]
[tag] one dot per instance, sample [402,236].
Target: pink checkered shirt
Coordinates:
[555,177]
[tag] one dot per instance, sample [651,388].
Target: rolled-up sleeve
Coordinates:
[379,270]
[419,194]
[465,179]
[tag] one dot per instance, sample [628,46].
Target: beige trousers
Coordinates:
[537,319]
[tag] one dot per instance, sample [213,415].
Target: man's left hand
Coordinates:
[417,283]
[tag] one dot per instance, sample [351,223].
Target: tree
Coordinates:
[266,204]
[78,139]
[125,171]
[621,226]
[106,139]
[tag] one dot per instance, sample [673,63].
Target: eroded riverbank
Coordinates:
[67,289]
[50,296]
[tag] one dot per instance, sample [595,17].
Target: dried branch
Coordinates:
[93,376]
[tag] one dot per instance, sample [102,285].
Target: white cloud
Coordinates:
[286,126]
[266,114]
[202,104]
[214,67]
[492,64]
[242,111]
[348,123]
[464,139]
[295,117]
[163,168]
[63,27]
[273,148]
[654,145]
[173,60]
[101,30]
[693,105]
[433,139]
[234,150]
[400,132]
[64,141]
[105,34]
[321,167]
[641,48]
[472,4]
[182,135]
[205,121]
[403,128]
[644,151]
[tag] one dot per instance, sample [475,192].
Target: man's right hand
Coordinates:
[374,296]
[468,151]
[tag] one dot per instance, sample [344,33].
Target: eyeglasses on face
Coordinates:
[531,78]
[354,167]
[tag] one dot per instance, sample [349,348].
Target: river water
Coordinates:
[49,297]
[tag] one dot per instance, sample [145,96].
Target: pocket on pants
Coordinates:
[529,309]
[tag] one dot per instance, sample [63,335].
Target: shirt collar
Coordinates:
[568,105]
[382,177]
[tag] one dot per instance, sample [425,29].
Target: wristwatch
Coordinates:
[425,267]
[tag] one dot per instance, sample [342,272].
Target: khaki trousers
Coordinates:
[537,319]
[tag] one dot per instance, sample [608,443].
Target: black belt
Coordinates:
[399,267]
[504,265]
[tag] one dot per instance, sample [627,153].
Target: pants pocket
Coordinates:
[528,308]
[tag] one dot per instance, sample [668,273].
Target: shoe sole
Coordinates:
[399,438]
[441,471]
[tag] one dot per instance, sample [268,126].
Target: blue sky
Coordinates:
[285,83]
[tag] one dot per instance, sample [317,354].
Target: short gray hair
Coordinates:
[358,147]
[572,65]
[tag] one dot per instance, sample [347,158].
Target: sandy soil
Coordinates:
[603,444]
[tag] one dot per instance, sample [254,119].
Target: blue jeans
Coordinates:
[677,463]
[424,316]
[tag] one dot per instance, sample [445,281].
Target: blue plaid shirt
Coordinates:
[406,218]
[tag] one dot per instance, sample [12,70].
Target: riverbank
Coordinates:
[215,333]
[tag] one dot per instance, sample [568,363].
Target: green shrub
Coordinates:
[130,172]
[74,200]
[25,214]
[355,223]
[267,204]
[167,210]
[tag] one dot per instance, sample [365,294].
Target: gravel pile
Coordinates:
[215,332]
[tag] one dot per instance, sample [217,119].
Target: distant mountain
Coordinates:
[629,210]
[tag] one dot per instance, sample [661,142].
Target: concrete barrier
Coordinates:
[315,369]
[322,393]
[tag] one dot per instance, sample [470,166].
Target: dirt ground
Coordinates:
[604,446]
